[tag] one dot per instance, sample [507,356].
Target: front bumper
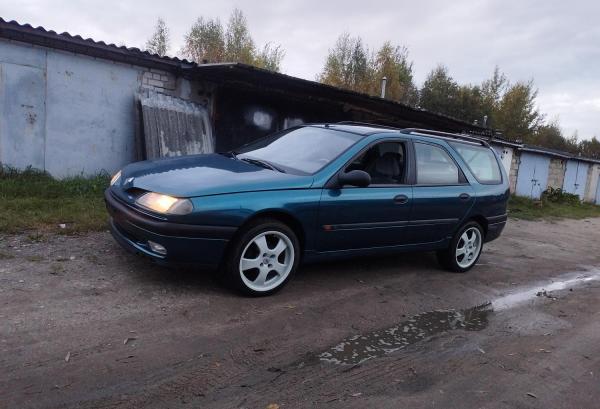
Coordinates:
[185,243]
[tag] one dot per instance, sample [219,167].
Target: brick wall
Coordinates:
[556,173]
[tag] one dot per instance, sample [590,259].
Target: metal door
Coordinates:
[598,192]
[532,178]
[576,178]
[22,108]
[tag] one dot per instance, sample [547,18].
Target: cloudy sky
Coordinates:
[557,43]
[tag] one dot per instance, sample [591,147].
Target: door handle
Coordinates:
[401,199]
[464,196]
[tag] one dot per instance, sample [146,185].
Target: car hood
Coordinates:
[210,174]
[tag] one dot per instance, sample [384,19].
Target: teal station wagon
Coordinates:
[309,193]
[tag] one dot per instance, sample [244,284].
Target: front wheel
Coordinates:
[465,249]
[263,258]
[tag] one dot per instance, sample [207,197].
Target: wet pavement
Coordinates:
[360,348]
[84,324]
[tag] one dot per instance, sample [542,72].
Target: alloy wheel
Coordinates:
[266,261]
[468,247]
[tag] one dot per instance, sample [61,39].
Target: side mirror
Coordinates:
[358,178]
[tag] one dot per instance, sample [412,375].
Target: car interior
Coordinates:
[384,162]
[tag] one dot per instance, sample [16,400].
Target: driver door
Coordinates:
[375,216]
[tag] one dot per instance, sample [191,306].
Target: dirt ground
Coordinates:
[84,324]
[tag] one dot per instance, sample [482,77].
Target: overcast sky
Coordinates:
[557,43]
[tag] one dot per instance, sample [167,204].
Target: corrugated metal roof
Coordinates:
[230,72]
[13,30]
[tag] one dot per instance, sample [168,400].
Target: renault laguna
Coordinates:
[310,193]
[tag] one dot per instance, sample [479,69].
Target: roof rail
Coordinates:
[445,135]
[367,124]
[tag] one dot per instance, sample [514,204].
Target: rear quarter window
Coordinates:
[481,161]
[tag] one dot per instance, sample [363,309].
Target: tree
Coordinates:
[550,135]
[517,115]
[440,93]
[590,148]
[469,105]
[270,57]
[207,41]
[239,45]
[159,42]
[392,63]
[492,91]
[347,65]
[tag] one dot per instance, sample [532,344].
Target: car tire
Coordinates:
[464,250]
[262,258]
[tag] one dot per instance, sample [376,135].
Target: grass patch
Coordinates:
[33,200]
[527,209]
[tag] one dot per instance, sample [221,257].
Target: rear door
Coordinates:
[441,194]
[374,216]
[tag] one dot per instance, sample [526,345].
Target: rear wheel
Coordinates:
[465,249]
[263,258]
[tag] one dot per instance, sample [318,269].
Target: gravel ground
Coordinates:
[84,324]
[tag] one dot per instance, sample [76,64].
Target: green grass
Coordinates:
[527,209]
[33,200]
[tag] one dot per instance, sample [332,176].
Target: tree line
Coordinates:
[497,102]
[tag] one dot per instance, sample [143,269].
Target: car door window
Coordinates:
[435,166]
[481,161]
[384,162]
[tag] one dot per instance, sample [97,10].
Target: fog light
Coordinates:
[157,248]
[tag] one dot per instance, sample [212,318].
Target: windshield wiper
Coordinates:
[262,163]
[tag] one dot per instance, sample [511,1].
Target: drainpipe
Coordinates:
[383,84]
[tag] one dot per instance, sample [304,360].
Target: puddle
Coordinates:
[362,347]
[531,293]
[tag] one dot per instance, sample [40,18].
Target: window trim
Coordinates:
[462,179]
[408,162]
[500,165]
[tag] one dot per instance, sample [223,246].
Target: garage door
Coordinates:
[532,178]
[22,113]
[576,178]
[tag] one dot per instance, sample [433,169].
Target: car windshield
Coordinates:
[303,150]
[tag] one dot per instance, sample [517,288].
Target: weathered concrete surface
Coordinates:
[64,113]
[194,344]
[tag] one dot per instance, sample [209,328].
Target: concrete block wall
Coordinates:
[160,81]
[556,173]
[592,183]
[514,171]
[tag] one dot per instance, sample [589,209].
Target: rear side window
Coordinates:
[481,161]
[435,166]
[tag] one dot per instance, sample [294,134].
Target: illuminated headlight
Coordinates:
[115,178]
[165,204]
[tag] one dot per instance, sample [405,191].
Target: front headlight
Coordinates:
[165,204]
[115,178]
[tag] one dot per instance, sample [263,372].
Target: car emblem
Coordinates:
[129,180]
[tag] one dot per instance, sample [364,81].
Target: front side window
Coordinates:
[481,161]
[300,150]
[384,162]
[435,166]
